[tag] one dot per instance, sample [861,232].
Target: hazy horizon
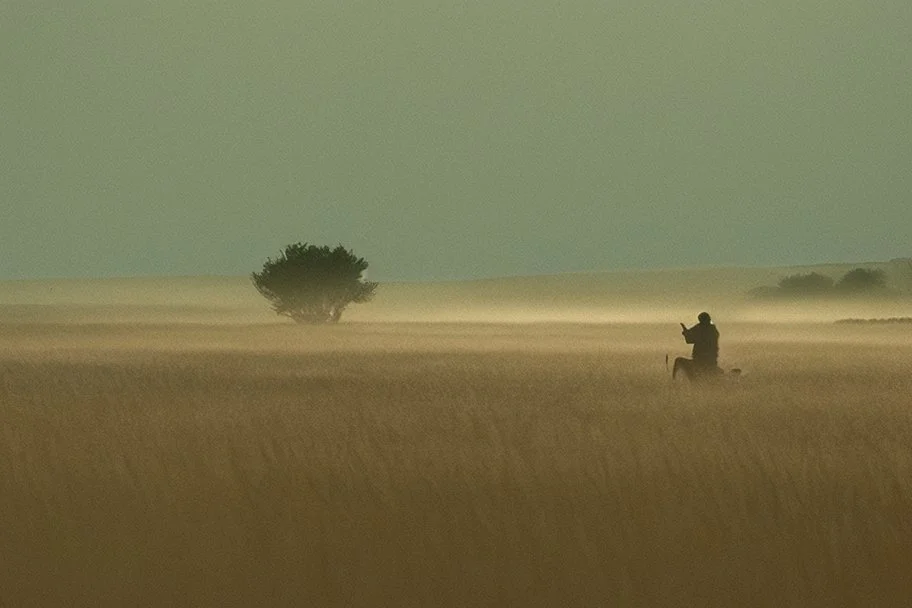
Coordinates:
[452,142]
[667,296]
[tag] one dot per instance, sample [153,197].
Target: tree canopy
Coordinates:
[862,280]
[313,284]
[812,282]
[858,281]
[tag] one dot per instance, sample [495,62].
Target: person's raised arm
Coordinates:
[687,333]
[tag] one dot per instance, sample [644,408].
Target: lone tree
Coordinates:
[312,284]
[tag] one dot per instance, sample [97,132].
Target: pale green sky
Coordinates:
[452,140]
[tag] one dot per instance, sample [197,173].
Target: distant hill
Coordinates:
[615,296]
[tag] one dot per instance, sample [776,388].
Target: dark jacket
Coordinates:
[705,340]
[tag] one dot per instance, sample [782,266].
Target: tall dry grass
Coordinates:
[452,465]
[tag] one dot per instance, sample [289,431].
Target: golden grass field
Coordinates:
[155,463]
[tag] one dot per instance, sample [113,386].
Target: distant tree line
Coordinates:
[858,281]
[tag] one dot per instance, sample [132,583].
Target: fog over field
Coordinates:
[667,295]
[511,442]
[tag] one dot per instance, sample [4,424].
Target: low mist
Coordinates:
[631,297]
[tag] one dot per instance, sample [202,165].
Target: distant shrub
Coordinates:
[811,283]
[312,284]
[861,280]
[855,282]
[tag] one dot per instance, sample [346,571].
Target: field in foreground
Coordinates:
[452,465]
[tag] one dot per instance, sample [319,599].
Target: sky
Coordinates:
[451,140]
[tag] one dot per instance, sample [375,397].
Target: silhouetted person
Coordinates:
[705,339]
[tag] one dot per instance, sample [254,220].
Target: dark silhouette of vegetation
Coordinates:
[806,283]
[884,321]
[858,281]
[862,280]
[312,284]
